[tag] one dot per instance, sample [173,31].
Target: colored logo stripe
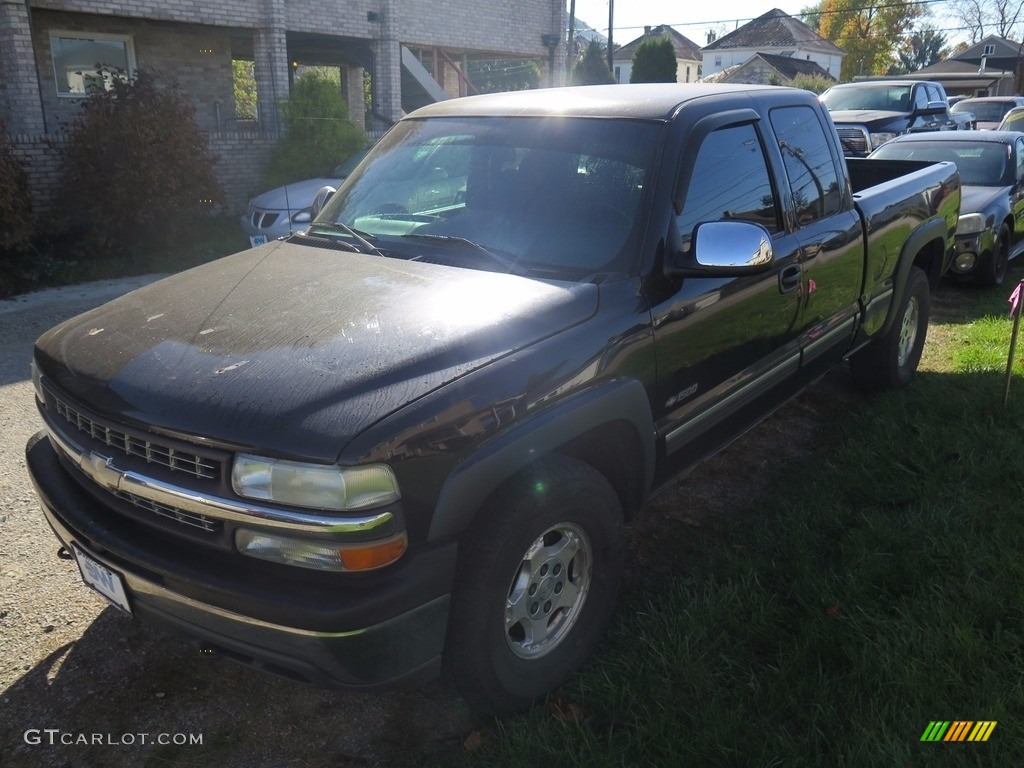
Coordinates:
[958,730]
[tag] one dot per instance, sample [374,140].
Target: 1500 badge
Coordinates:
[690,391]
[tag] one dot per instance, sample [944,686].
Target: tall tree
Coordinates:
[811,15]
[868,30]
[921,49]
[654,62]
[592,69]
[981,18]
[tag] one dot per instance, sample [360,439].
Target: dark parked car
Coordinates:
[991,165]
[988,110]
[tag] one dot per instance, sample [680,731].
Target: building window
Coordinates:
[989,50]
[718,61]
[687,73]
[86,62]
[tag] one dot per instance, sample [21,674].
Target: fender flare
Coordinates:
[476,477]
[934,229]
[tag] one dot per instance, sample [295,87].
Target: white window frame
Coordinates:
[66,34]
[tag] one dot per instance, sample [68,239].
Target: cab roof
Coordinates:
[655,101]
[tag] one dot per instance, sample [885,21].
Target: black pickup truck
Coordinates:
[406,442]
[868,114]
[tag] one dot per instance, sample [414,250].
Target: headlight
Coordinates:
[323,486]
[319,554]
[970,224]
[878,139]
[302,217]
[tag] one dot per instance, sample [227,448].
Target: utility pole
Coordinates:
[570,48]
[611,24]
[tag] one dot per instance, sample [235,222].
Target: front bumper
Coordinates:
[373,632]
[971,251]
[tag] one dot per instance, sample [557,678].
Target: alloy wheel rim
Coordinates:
[548,591]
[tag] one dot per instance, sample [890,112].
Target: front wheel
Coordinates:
[891,360]
[994,270]
[536,587]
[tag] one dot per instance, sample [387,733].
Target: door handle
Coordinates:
[789,278]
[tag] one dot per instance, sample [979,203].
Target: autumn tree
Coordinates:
[869,32]
[921,49]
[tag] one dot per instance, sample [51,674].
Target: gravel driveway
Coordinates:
[81,685]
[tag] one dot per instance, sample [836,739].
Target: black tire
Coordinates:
[538,577]
[891,360]
[994,271]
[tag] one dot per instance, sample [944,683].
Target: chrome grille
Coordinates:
[153,452]
[854,140]
[264,219]
[188,518]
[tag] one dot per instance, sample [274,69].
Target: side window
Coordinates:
[809,164]
[730,181]
[921,97]
[1019,143]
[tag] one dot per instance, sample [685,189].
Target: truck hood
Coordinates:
[294,347]
[866,116]
[977,199]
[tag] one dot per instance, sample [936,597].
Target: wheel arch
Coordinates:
[609,427]
[926,249]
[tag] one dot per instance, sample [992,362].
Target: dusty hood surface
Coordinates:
[308,346]
[864,115]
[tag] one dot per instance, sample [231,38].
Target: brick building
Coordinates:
[415,51]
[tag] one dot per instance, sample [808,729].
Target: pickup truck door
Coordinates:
[725,346]
[819,207]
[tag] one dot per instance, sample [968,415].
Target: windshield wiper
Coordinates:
[338,226]
[502,261]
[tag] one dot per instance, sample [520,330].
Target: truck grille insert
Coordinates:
[187,518]
[853,139]
[153,452]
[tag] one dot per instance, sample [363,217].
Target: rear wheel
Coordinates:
[537,582]
[891,360]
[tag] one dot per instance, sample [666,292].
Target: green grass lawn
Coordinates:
[876,587]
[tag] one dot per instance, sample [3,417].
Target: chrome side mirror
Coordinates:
[322,196]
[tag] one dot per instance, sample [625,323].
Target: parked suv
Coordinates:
[868,114]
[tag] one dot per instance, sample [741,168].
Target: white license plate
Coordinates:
[105,581]
[255,240]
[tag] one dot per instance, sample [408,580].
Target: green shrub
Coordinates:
[813,83]
[592,68]
[17,226]
[654,62]
[318,134]
[137,172]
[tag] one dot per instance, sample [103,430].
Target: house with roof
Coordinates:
[775,33]
[688,56]
[768,69]
[988,68]
[52,52]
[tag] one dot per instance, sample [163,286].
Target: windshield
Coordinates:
[886,98]
[553,196]
[981,164]
[985,111]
